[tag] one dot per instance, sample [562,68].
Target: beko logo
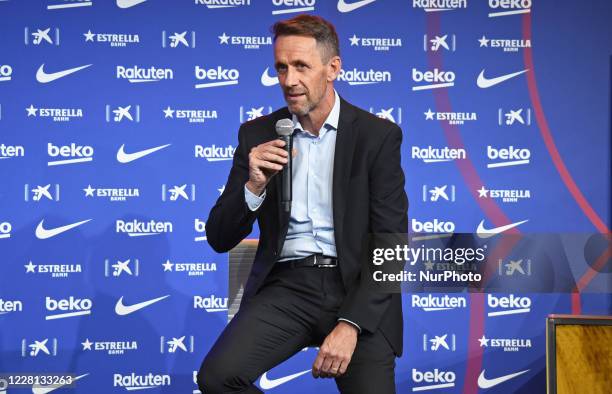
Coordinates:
[69,307]
[431,380]
[292,6]
[506,157]
[136,74]
[70,154]
[221,77]
[435,79]
[510,305]
[6,72]
[434,226]
[58,5]
[5,230]
[515,7]
[200,229]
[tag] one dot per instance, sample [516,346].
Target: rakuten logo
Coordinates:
[210,304]
[9,306]
[515,6]
[215,153]
[69,307]
[431,380]
[435,226]
[439,5]
[140,382]
[432,79]
[5,230]
[222,76]
[510,305]
[72,153]
[138,74]
[6,72]
[359,77]
[431,303]
[510,156]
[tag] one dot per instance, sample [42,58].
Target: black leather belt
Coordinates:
[314,260]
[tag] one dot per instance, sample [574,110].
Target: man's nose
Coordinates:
[290,77]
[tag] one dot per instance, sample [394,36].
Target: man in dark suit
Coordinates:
[306,287]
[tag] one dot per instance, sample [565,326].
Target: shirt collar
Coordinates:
[330,123]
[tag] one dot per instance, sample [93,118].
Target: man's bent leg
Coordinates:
[270,328]
[372,368]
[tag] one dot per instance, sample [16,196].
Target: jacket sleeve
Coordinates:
[366,303]
[230,219]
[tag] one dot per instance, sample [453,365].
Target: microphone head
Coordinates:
[284,127]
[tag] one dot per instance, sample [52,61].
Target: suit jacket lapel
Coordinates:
[343,158]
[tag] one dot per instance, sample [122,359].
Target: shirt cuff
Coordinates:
[252,200]
[352,323]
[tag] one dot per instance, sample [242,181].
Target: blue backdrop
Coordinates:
[118,121]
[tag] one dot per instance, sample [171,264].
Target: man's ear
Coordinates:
[333,68]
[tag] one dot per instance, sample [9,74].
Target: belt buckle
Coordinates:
[322,265]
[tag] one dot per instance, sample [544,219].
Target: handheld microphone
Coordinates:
[284,129]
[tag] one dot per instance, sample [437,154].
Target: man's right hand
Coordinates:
[265,161]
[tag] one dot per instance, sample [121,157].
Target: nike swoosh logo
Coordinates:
[123,310]
[343,6]
[42,233]
[268,384]
[267,80]
[484,82]
[485,383]
[123,157]
[488,233]
[46,389]
[43,77]
[128,3]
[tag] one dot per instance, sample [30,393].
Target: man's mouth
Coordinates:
[294,95]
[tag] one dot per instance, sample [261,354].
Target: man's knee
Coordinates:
[221,376]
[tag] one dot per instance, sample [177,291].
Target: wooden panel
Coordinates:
[584,359]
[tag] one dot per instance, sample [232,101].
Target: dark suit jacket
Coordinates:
[368,197]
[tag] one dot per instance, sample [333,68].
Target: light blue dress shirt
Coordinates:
[311,223]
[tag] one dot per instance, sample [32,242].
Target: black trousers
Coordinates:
[295,308]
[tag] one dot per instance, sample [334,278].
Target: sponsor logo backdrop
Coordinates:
[118,122]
